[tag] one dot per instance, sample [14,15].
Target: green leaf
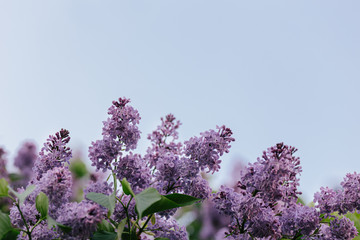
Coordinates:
[4,188]
[120,229]
[153,219]
[127,188]
[78,168]
[182,199]
[146,199]
[112,201]
[103,235]
[22,196]
[5,224]
[52,223]
[105,226]
[11,235]
[42,204]
[64,228]
[14,177]
[103,200]
[150,201]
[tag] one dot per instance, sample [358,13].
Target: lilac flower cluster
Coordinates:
[3,172]
[344,200]
[120,133]
[339,229]
[167,166]
[54,153]
[53,178]
[82,217]
[264,205]
[206,150]
[168,229]
[274,176]
[24,161]
[250,215]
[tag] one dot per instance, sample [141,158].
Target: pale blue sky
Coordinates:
[270,70]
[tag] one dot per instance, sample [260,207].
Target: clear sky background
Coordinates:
[272,71]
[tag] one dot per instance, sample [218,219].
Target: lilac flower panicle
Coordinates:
[227,201]
[120,213]
[264,224]
[3,172]
[327,200]
[274,176]
[341,229]
[40,232]
[197,187]
[54,153]
[120,133]
[24,160]
[161,145]
[299,219]
[207,149]
[29,211]
[122,125]
[343,200]
[351,193]
[57,185]
[82,217]
[168,229]
[103,152]
[99,187]
[168,172]
[132,168]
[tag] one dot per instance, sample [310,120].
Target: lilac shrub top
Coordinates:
[170,168]
[265,205]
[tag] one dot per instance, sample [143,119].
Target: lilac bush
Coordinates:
[153,186]
[134,196]
[264,204]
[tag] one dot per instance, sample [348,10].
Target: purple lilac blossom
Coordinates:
[40,232]
[3,172]
[57,185]
[327,200]
[168,172]
[24,161]
[339,229]
[99,187]
[274,176]
[122,125]
[82,217]
[299,219]
[103,152]
[207,149]
[351,193]
[249,214]
[227,201]
[163,140]
[343,200]
[197,187]
[134,169]
[168,228]
[211,220]
[29,211]
[120,213]
[120,133]
[54,153]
